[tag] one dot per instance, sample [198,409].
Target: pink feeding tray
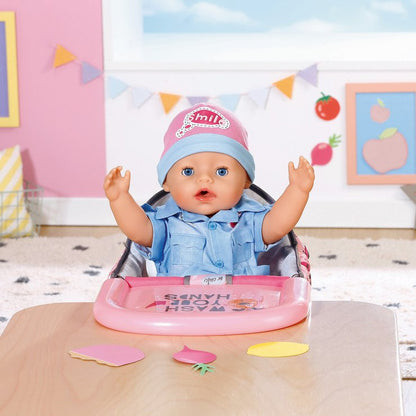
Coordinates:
[211,304]
[165,305]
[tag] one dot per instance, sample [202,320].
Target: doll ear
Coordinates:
[248,183]
[165,187]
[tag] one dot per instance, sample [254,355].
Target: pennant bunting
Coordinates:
[89,72]
[230,101]
[115,87]
[285,85]
[62,56]
[140,95]
[310,74]
[169,101]
[197,100]
[260,96]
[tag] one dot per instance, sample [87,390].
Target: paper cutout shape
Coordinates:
[285,85]
[322,153]
[169,101]
[379,112]
[197,100]
[108,354]
[89,72]
[62,56]
[327,107]
[115,87]
[187,355]
[310,74]
[230,101]
[260,96]
[278,349]
[388,152]
[140,95]
[203,368]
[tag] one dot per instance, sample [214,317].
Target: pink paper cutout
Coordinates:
[112,355]
[188,355]
[388,152]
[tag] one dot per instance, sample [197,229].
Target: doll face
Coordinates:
[206,182]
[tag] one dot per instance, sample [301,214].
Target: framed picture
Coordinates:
[9,97]
[381,133]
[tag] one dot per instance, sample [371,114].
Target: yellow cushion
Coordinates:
[15,220]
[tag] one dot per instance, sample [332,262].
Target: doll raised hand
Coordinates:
[207,225]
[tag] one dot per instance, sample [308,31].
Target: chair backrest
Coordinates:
[283,257]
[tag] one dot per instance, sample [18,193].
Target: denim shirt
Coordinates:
[185,243]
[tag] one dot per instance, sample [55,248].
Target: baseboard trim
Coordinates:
[76,211]
[359,214]
[318,214]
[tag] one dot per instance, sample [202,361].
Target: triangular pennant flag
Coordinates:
[89,72]
[285,85]
[169,100]
[230,101]
[260,96]
[115,87]
[310,74]
[197,100]
[140,95]
[62,56]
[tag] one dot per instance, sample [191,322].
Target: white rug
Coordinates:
[71,269]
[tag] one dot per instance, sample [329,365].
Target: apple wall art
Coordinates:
[381,133]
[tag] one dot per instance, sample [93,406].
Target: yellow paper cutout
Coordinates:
[285,85]
[278,349]
[169,100]
[62,56]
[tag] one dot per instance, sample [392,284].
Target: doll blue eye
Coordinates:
[222,171]
[187,172]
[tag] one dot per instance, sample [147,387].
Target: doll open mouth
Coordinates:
[204,195]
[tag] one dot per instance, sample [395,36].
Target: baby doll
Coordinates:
[208,225]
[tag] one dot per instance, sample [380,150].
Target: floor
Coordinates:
[409,386]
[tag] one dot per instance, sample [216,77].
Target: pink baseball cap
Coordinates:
[205,128]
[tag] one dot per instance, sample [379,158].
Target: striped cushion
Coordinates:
[15,220]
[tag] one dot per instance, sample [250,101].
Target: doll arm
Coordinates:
[288,209]
[130,217]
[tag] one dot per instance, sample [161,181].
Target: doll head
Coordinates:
[206,164]
[206,182]
[205,128]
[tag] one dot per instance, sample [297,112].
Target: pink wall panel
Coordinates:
[61,133]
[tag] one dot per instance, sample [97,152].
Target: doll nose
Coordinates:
[205,178]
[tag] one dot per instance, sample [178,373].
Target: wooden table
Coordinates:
[351,368]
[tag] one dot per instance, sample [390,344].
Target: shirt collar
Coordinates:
[170,208]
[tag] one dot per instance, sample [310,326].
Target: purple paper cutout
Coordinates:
[197,100]
[89,72]
[310,74]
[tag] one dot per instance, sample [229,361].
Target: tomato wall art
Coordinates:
[327,107]
[381,133]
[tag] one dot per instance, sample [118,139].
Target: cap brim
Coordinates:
[205,143]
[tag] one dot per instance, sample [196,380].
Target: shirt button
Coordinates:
[219,263]
[212,225]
